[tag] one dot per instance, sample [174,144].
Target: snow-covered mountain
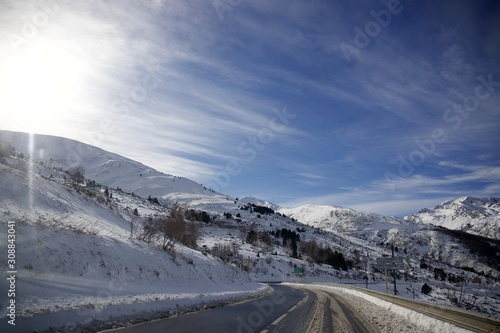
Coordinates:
[339,219]
[259,202]
[78,245]
[77,250]
[474,215]
[479,216]
[100,165]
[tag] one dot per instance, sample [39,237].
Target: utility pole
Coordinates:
[394,271]
[366,268]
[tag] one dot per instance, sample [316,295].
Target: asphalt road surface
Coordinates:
[286,310]
[244,317]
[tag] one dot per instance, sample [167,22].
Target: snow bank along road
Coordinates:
[306,308]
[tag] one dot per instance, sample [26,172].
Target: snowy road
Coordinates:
[299,309]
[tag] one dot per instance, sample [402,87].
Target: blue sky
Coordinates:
[382,106]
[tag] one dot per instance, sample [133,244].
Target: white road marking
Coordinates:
[279,319]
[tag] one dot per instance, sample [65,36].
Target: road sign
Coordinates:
[387,263]
[389,260]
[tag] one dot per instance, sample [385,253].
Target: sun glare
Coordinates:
[39,86]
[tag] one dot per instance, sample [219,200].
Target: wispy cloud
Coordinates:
[311,176]
[400,198]
[169,83]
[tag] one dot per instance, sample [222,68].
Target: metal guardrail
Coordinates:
[472,321]
[459,317]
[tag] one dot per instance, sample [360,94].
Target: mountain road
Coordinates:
[288,309]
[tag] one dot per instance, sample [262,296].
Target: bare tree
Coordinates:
[462,297]
[150,230]
[191,235]
[77,174]
[171,229]
[155,231]
[177,227]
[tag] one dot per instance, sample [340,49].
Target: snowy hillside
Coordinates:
[102,166]
[419,242]
[80,250]
[78,259]
[259,202]
[339,219]
[479,216]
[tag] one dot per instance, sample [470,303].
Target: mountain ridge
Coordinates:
[111,169]
[75,231]
[480,216]
[335,218]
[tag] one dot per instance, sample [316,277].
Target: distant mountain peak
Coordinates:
[339,219]
[480,216]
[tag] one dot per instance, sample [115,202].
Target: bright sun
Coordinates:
[39,86]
